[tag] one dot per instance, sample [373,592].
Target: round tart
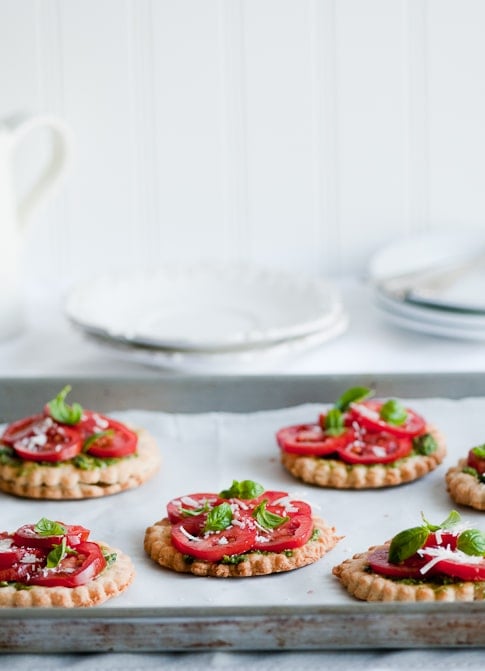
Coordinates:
[52,564]
[66,452]
[361,443]
[427,563]
[241,532]
[466,480]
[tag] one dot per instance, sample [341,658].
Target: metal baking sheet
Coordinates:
[271,624]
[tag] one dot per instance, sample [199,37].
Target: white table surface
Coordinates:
[50,347]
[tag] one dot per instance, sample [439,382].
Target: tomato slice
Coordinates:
[291,534]
[282,504]
[376,448]
[189,538]
[114,440]
[409,568]
[74,570]
[475,461]
[26,535]
[310,439]
[11,554]
[366,414]
[40,438]
[191,505]
[460,570]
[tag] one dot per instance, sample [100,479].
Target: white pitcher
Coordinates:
[15,215]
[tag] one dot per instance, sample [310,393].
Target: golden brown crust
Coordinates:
[370,586]
[464,488]
[161,550]
[337,474]
[110,583]
[65,481]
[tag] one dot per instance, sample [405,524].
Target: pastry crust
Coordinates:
[337,474]
[159,547]
[464,488]
[369,586]
[65,481]
[114,580]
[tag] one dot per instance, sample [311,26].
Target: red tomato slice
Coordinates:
[460,570]
[115,439]
[188,537]
[193,503]
[409,568]
[40,438]
[476,462]
[12,554]
[366,414]
[292,534]
[74,570]
[310,439]
[376,448]
[26,535]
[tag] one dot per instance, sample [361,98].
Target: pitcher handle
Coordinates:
[53,172]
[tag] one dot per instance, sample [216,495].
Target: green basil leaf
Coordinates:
[425,444]
[266,518]
[45,527]
[393,412]
[109,433]
[63,413]
[451,521]
[407,543]
[479,451]
[334,422]
[193,512]
[246,489]
[58,553]
[219,518]
[352,395]
[472,542]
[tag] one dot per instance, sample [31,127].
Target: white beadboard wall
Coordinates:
[299,134]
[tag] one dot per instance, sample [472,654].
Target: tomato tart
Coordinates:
[67,452]
[443,562]
[240,532]
[51,563]
[362,443]
[466,480]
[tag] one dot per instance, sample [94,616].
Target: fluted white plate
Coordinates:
[205,307]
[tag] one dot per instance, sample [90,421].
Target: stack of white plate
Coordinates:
[207,316]
[433,283]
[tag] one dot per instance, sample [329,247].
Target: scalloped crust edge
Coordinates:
[464,488]
[336,474]
[369,586]
[159,547]
[110,583]
[65,481]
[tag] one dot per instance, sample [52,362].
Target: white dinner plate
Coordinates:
[254,359]
[204,307]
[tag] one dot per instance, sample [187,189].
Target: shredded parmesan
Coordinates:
[438,554]
[189,536]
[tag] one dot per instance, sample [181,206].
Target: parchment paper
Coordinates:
[206,452]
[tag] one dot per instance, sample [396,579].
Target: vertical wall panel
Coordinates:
[188,140]
[280,133]
[457,112]
[372,125]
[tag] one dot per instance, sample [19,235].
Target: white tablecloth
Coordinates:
[50,347]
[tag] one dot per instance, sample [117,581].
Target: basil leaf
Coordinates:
[219,518]
[193,512]
[246,489]
[61,412]
[479,451]
[425,444]
[451,521]
[45,527]
[472,542]
[334,422]
[58,553]
[266,518]
[109,433]
[407,543]
[352,395]
[393,412]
